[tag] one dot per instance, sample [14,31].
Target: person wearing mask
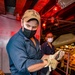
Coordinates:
[47,48]
[25,57]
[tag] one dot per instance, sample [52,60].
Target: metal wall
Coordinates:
[8,27]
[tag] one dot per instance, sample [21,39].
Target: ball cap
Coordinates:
[29,14]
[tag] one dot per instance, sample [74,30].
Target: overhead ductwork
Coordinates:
[64,40]
[65,3]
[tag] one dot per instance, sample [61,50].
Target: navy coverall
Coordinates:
[22,53]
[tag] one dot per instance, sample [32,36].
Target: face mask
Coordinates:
[29,33]
[50,39]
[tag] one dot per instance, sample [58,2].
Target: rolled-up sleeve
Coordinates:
[30,62]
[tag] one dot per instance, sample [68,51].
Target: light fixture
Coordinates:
[44,25]
[52,19]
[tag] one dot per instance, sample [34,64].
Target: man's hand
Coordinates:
[52,59]
[52,64]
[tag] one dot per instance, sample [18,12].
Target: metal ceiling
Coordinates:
[61,10]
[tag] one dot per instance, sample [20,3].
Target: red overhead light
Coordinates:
[52,19]
[55,8]
[44,25]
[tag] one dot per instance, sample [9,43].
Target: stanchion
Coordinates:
[67,68]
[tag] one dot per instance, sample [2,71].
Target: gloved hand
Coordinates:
[52,59]
[58,55]
[53,64]
[54,56]
[61,54]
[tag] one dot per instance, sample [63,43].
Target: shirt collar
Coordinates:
[21,33]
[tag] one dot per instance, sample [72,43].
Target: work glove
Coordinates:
[52,66]
[60,55]
[52,59]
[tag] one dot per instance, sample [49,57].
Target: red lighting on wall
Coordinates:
[12,33]
[18,17]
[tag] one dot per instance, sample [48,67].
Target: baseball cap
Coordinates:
[29,14]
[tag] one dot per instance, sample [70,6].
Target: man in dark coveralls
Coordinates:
[23,48]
